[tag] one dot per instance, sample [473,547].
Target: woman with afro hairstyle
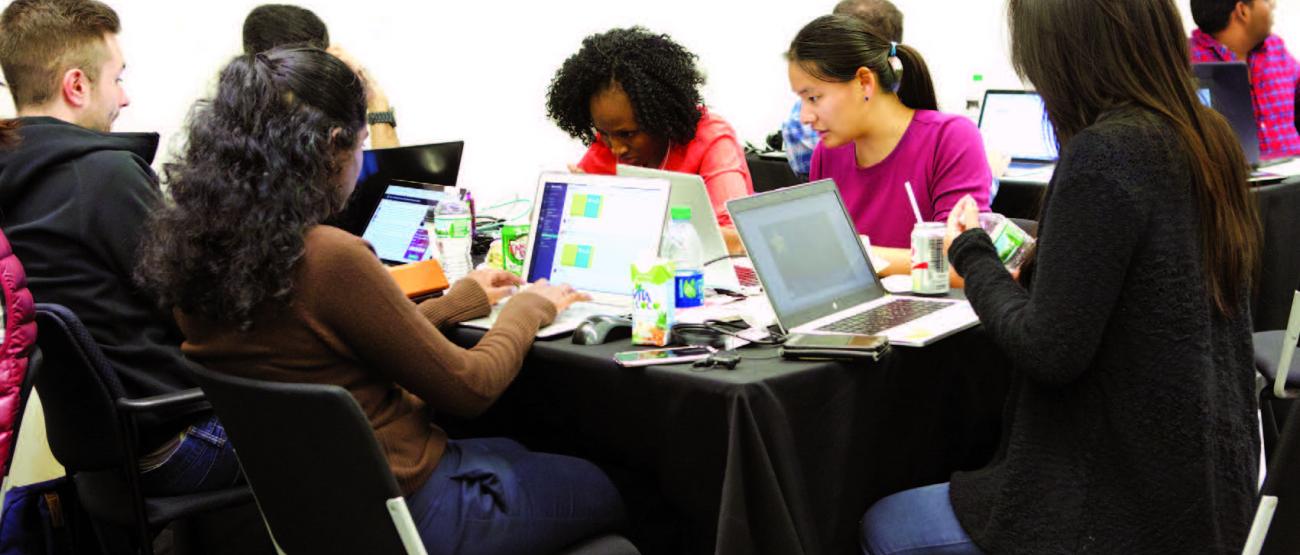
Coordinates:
[262,289]
[634,96]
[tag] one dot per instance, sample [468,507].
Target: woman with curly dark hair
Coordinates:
[634,96]
[261,289]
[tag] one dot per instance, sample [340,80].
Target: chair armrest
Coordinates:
[189,400]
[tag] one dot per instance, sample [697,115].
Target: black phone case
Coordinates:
[822,353]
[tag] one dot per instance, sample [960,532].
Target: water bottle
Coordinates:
[451,224]
[974,97]
[682,245]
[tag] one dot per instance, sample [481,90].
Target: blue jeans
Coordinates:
[915,522]
[203,461]
[493,496]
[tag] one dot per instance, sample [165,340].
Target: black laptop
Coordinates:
[432,166]
[1225,86]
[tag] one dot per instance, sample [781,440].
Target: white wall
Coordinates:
[478,71]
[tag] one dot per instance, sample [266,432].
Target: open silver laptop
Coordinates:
[818,277]
[587,231]
[1014,123]
[688,189]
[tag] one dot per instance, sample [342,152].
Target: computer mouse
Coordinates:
[600,328]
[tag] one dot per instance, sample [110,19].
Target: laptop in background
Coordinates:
[688,189]
[818,277]
[430,164]
[1227,87]
[587,232]
[401,227]
[1014,123]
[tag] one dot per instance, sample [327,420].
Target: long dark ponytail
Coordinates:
[833,47]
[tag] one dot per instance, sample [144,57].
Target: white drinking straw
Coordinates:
[911,197]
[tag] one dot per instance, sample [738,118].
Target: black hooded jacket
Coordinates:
[74,203]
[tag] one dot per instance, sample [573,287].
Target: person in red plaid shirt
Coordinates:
[1231,30]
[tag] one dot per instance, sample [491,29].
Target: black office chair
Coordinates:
[1275,360]
[318,475]
[1277,521]
[770,174]
[92,431]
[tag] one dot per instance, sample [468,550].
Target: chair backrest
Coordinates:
[16,348]
[770,174]
[1277,522]
[311,458]
[1289,339]
[78,389]
[1279,208]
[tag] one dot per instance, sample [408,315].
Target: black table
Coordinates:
[774,457]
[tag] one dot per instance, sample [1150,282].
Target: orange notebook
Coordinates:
[419,278]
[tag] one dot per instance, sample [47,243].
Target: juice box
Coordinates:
[655,309]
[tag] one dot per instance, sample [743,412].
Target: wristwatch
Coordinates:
[373,118]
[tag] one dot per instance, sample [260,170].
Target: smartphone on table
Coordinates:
[839,345]
[674,355]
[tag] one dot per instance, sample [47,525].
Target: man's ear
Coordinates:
[1241,12]
[75,88]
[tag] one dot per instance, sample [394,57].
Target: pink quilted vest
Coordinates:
[15,347]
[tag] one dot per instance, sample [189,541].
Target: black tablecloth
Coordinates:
[774,457]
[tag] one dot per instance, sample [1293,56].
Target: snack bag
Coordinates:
[655,309]
[514,245]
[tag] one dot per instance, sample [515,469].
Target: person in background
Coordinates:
[273,25]
[1131,425]
[872,102]
[263,290]
[75,198]
[1242,30]
[879,16]
[634,97]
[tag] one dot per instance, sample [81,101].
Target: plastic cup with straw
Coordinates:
[911,197]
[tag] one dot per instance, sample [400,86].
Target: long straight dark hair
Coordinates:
[833,47]
[1086,58]
[8,132]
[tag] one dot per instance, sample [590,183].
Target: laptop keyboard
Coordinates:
[885,316]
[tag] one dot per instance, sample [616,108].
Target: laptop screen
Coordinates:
[1227,86]
[1015,124]
[806,252]
[1207,97]
[433,163]
[588,234]
[401,227]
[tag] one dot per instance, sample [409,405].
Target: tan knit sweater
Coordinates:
[348,324]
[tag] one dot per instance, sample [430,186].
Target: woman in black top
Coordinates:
[1131,424]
